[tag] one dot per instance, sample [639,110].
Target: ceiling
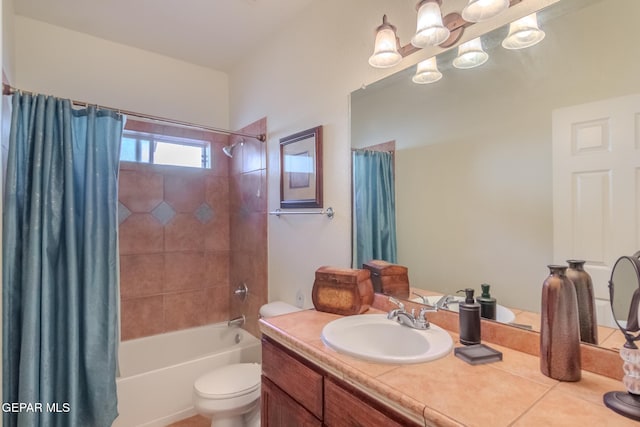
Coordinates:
[211,33]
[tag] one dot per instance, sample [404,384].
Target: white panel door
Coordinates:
[596,177]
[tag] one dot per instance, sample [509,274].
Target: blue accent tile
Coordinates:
[123,213]
[163,213]
[204,213]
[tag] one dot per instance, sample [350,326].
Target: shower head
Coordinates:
[228,149]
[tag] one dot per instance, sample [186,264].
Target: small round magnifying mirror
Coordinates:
[624,293]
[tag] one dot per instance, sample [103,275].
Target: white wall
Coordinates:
[478,211]
[301,78]
[56,61]
[7,38]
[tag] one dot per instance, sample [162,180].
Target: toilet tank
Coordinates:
[277,308]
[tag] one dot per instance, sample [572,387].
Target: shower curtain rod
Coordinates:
[9,90]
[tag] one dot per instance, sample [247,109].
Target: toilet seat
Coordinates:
[230,395]
[229,381]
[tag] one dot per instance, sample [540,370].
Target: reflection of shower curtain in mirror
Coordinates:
[374,207]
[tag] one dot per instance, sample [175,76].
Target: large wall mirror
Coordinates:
[474,158]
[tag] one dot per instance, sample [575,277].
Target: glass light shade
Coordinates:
[385,51]
[427,72]
[429,31]
[523,33]
[470,54]
[481,10]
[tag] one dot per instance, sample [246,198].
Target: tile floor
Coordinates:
[195,421]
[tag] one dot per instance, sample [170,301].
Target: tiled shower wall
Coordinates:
[188,237]
[248,210]
[174,245]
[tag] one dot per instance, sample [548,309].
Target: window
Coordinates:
[144,142]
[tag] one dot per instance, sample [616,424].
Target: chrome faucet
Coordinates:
[425,301]
[445,300]
[394,313]
[237,321]
[401,316]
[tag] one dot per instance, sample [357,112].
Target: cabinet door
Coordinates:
[280,410]
[348,408]
[292,375]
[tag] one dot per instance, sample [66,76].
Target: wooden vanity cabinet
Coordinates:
[297,393]
[292,390]
[345,406]
[279,409]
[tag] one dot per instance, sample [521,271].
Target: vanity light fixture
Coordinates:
[430,29]
[523,33]
[433,29]
[385,51]
[482,10]
[427,71]
[470,54]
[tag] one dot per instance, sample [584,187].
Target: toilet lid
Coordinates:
[229,381]
[276,308]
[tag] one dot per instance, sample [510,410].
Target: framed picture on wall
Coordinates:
[301,169]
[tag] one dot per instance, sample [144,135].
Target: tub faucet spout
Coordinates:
[237,321]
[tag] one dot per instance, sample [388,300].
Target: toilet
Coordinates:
[230,395]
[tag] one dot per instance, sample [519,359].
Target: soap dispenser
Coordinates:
[487,303]
[469,319]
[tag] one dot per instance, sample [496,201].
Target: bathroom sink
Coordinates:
[503,314]
[375,338]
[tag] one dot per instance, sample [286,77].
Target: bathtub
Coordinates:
[157,373]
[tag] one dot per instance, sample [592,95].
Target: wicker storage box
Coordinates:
[342,291]
[387,278]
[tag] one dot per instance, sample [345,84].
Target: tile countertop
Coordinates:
[450,392]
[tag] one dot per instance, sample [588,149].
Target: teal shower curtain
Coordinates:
[60,265]
[374,207]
